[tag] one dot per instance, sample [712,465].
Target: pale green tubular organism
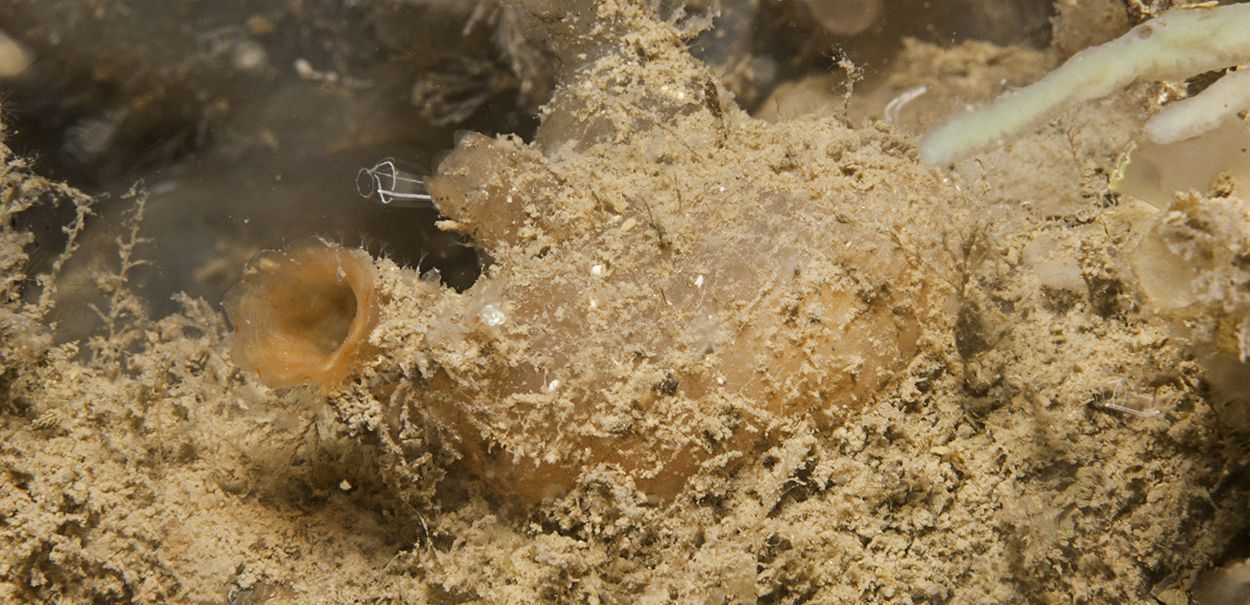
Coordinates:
[1176,45]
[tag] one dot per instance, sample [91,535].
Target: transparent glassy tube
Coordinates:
[393,183]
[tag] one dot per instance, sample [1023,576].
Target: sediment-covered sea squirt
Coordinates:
[656,305]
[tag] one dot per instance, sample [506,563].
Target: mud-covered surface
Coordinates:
[705,330]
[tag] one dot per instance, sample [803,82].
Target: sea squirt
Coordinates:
[303,314]
[658,302]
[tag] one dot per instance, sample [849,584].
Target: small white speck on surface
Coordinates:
[492,315]
[303,68]
[249,56]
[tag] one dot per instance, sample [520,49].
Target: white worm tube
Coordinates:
[1175,45]
[1202,113]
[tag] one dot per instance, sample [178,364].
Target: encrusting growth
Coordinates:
[1178,44]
